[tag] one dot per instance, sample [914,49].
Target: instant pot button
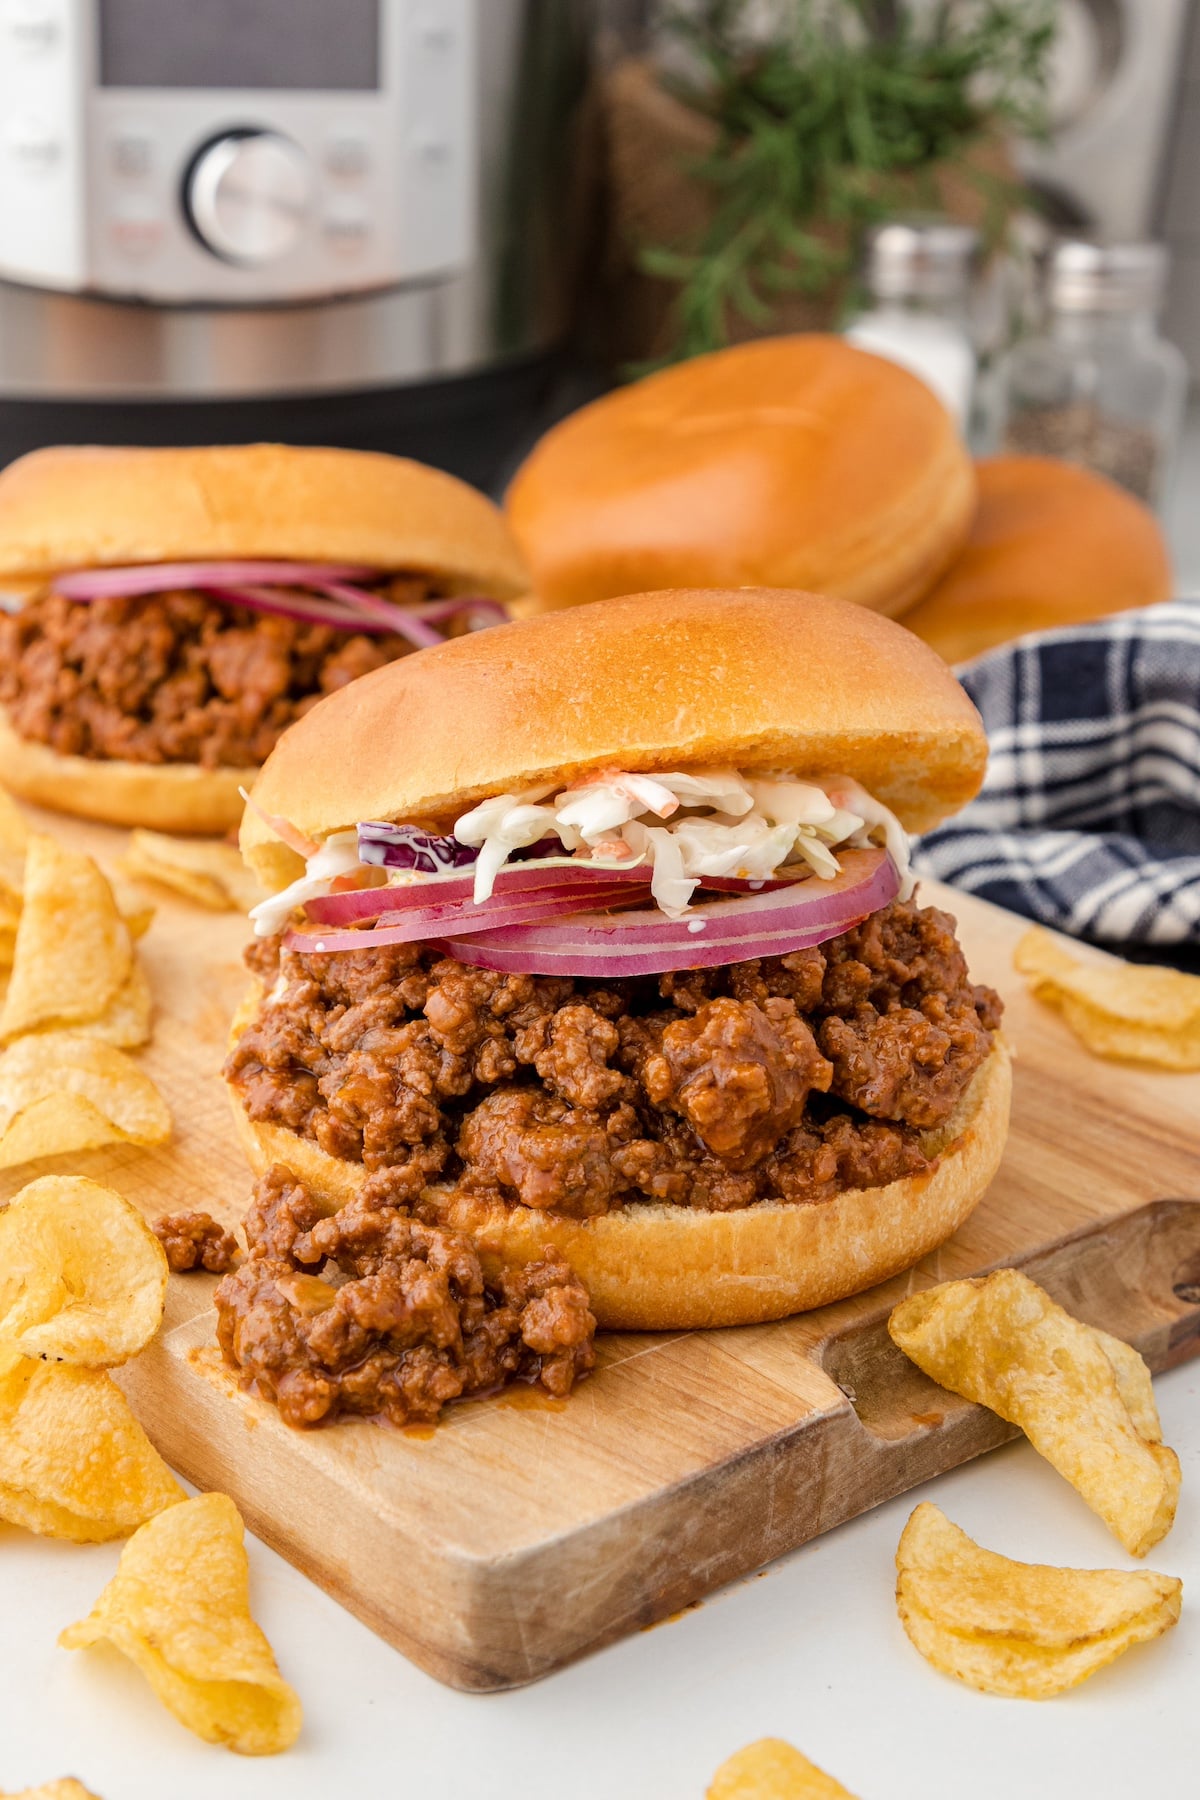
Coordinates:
[434,151]
[31,26]
[31,143]
[346,230]
[433,33]
[131,152]
[347,155]
[135,228]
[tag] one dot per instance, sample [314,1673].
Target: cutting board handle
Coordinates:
[1137,1276]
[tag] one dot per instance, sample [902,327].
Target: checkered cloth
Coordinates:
[1089,819]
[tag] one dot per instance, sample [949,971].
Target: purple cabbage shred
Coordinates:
[408,847]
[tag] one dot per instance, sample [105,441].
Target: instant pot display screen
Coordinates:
[313,44]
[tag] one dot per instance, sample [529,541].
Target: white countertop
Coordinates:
[810,1650]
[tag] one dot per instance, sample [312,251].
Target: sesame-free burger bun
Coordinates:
[796,462]
[752,678]
[87,507]
[157,796]
[1052,544]
[651,1267]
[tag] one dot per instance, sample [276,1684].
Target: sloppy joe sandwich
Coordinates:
[172,611]
[594,936]
[795,462]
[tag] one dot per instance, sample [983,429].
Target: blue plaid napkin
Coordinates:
[1089,819]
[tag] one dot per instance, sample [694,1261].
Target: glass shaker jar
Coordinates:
[1098,385]
[917,278]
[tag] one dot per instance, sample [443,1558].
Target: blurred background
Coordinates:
[433,226]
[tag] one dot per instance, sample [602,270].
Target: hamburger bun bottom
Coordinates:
[179,797]
[652,1267]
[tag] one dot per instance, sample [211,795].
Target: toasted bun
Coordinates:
[1052,544]
[754,678]
[91,508]
[161,797]
[795,462]
[652,1267]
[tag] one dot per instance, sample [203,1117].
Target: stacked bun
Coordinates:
[791,462]
[1051,544]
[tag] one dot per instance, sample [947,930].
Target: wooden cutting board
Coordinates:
[521,1533]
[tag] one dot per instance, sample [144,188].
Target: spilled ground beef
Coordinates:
[195,1240]
[373,1312]
[177,677]
[787,1079]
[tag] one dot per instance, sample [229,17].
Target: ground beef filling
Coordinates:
[177,677]
[787,1079]
[373,1312]
[195,1240]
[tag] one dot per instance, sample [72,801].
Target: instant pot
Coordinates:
[353,222]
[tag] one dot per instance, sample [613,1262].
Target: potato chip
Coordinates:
[134,908]
[179,1607]
[74,1462]
[1019,1629]
[1133,1012]
[73,952]
[66,1789]
[10,918]
[83,1278]
[772,1770]
[15,834]
[62,1092]
[1000,1340]
[126,1020]
[202,870]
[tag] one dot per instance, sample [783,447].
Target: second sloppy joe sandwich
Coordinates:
[179,608]
[607,946]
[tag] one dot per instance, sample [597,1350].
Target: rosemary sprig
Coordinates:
[813,121]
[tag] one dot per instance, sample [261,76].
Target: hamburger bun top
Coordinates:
[754,678]
[86,507]
[794,462]
[1052,544]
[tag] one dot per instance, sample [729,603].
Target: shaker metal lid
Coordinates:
[919,257]
[1106,278]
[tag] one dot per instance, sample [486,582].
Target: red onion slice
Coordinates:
[431,924]
[646,943]
[555,877]
[479,605]
[338,598]
[158,578]
[391,617]
[285,603]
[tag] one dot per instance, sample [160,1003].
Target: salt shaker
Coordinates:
[1098,385]
[918,276]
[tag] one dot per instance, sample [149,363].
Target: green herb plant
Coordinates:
[814,119]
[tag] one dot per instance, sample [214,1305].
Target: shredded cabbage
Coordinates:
[338,855]
[708,822]
[713,822]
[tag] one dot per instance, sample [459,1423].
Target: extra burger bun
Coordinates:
[795,462]
[752,677]
[663,1268]
[93,508]
[1052,544]
[97,508]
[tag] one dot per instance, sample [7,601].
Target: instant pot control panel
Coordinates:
[236,151]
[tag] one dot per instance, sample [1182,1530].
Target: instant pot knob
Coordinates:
[248,196]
